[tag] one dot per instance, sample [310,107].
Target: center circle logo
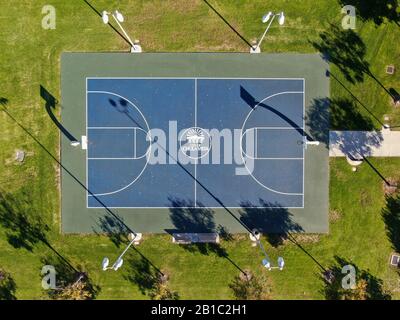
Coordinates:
[195,142]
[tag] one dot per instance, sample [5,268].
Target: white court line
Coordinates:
[147,125]
[127,158]
[195,102]
[277,158]
[255,142]
[186,78]
[87,149]
[115,128]
[255,129]
[134,143]
[211,78]
[304,126]
[99,207]
[242,151]
[277,128]
[195,124]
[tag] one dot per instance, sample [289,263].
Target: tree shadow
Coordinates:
[375,10]
[346,50]
[270,219]
[333,290]
[114,228]
[224,233]
[150,283]
[50,106]
[37,234]
[7,286]
[186,218]
[363,125]
[317,119]
[3,101]
[356,144]
[200,219]
[22,223]
[141,273]
[391,217]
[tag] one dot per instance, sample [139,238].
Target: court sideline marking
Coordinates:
[195,79]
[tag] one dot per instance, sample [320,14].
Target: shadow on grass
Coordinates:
[140,273]
[368,287]
[391,217]
[67,275]
[355,99]
[3,101]
[187,219]
[270,219]
[346,50]
[276,223]
[345,116]
[22,223]
[100,21]
[375,10]
[150,283]
[50,106]
[36,233]
[7,286]
[228,24]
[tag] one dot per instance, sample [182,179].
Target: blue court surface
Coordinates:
[206,141]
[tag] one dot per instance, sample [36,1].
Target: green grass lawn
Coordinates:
[30,57]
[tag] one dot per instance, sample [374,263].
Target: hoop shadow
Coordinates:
[50,105]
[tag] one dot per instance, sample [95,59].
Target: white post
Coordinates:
[122,254]
[134,47]
[257,48]
[123,30]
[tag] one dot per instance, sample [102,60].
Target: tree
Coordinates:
[160,291]
[75,291]
[367,286]
[7,286]
[250,287]
[360,292]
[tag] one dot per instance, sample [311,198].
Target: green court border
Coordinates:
[75,67]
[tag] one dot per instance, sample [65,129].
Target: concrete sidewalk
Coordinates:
[384,143]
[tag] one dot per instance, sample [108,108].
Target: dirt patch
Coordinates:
[334,215]
[304,238]
[246,275]
[391,187]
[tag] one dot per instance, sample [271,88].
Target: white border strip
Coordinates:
[187,78]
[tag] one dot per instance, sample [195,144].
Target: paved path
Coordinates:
[384,143]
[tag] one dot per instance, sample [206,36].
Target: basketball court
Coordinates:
[192,131]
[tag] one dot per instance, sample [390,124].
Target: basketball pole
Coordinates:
[265,19]
[118,17]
